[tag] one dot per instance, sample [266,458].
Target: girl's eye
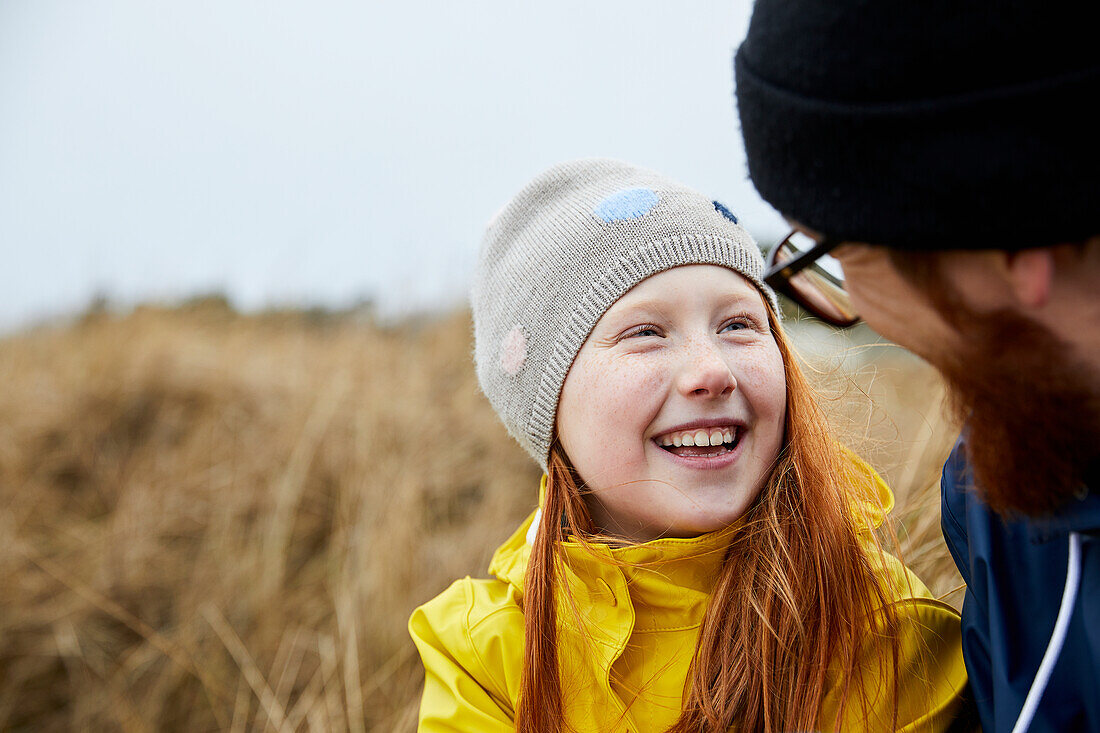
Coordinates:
[642,331]
[744,322]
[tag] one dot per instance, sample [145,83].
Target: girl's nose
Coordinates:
[706,373]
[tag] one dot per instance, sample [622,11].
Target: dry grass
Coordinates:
[219,522]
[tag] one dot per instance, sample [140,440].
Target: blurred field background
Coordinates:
[215,521]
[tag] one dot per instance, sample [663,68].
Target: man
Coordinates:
[948,154]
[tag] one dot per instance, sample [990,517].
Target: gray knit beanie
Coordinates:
[560,253]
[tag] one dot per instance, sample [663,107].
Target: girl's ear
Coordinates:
[1031,276]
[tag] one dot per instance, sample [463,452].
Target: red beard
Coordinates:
[1031,411]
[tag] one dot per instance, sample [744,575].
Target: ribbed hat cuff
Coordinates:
[1009,168]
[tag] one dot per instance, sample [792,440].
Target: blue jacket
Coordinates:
[1015,572]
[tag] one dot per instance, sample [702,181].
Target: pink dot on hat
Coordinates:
[513,351]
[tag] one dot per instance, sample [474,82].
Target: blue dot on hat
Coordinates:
[630,203]
[725,212]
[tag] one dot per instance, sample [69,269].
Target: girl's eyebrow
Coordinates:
[643,309]
[647,306]
[659,307]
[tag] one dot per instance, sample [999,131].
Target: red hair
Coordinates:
[796,594]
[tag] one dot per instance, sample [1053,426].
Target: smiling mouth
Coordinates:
[700,442]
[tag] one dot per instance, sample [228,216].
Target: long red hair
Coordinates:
[796,594]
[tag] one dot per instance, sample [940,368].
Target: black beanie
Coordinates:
[926,124]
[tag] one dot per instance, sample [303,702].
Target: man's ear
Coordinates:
[1031,275]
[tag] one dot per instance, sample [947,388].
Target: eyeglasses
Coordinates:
[801,268]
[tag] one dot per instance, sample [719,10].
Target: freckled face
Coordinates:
[673,411]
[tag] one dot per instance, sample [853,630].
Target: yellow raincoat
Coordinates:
[641,620]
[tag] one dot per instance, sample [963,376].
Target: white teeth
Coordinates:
[704,437]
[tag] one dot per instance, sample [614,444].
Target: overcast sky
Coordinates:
[328,151]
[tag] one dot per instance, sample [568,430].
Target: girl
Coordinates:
[704,554]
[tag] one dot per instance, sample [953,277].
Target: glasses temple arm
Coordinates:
[776,274]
